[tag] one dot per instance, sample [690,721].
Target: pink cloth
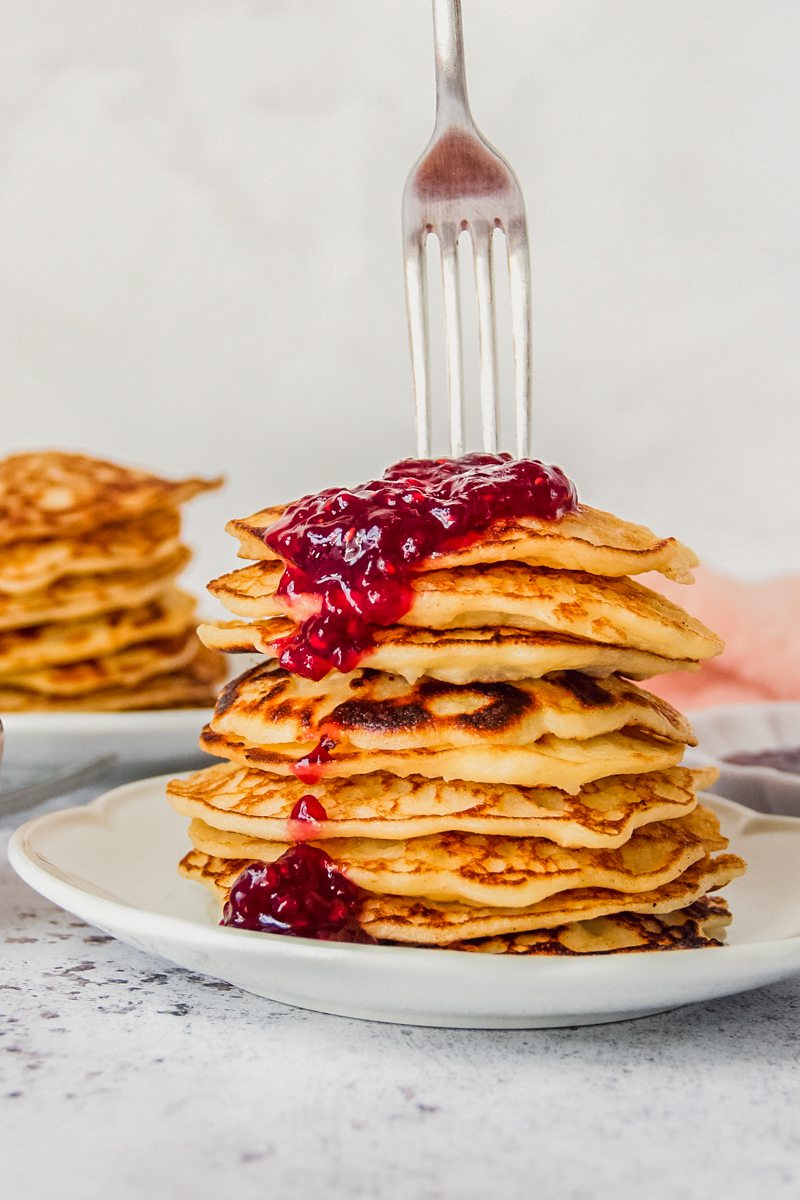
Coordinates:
[760,625]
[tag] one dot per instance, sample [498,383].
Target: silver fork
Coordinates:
[462,183]
[65,779]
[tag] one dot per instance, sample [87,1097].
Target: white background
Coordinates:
[200,255]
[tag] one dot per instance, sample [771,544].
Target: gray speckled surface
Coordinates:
[121,1077]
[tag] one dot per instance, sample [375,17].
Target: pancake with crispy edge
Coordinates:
[77,596]
[170,614]
[372,710]
[586,540]
[701,925]
[494,871]
[617,612]
[422,921]
[191,686]
[28,566]
[55,494]
[126,667]
[458,656]
[605,813]
[548,762]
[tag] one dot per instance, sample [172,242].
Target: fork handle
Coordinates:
[452,106]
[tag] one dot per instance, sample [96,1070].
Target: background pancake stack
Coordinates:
[90,616]
[490,777]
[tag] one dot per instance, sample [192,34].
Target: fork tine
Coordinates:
[452,316]
[519,272]
[484,284]
[461,183]
[66,779]
[417,311]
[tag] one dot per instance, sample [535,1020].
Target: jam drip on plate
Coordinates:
[301,894]
[354,551]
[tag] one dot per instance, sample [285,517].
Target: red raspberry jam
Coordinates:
[301,894]
[304,819]
[356,550]
[308,808]
[309,769]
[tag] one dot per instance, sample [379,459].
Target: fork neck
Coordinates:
[452,106]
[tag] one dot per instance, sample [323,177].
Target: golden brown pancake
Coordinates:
[587,540]
[548,762]
[420,921]
[77,596]
[53,494]
[701,925]
[147,540]
[617,612]
[494,871]
[372,710]
[30,649]
[126,667]
[489,776]
[462,655]
[192,686]
[379,805]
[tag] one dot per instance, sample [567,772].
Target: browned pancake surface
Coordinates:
[125,545]
[487,655]
[76,596]
[56,494]
[191,686]
[32,648]
[587,540]
[422,921]
[616,612]
[131,665]
[380,805]
[496,871]
[371,709]
[547,762]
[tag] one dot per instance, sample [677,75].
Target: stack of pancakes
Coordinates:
[490,776]
[90,616]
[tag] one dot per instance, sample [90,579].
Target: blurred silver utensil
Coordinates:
[67,779]
[462,184]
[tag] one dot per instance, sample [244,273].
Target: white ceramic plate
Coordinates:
[749,728]
[113,864]
[156,740]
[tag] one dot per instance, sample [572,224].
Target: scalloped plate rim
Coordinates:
[239,953]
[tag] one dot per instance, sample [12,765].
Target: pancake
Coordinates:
[53,494]
[617,612]
[127,667]
[494,871]
[484,775]
[702,924]
[145,541]
[459,656]
[77,596]
[420,921]
[372,710]
[549,762]
[192,686]
[606,813]
[30,649]
[587,540]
